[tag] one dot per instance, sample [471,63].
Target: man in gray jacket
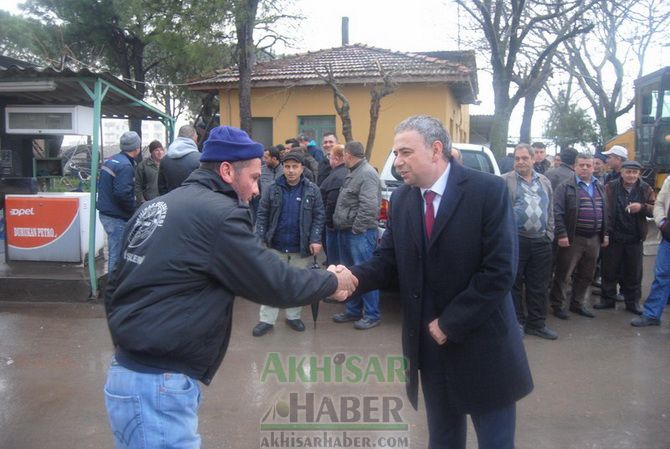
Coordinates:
[355,220]
[565,171]
[181,159]
[531,197]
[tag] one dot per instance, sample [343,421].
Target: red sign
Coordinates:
[32,222]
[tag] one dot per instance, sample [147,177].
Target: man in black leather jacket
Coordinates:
[186,256]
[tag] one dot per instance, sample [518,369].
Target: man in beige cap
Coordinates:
[616,156]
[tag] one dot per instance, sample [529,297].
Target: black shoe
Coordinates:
[634,308]
[561,313]
[261,329]
[644,321]
[297,324]
[543,332]
[365,323]
[583,311]
[605,305]
[344,317]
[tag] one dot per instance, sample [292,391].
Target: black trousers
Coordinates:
[534,271]
[447,429]
[622,263]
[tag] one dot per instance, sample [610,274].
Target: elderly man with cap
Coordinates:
[616,156]
[116,193]
[599,164]
[629,202]
[169,303]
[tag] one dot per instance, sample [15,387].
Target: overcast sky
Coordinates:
[394,25]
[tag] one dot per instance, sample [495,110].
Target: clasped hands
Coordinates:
[346,282]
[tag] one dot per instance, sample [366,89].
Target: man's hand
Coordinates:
[563,242]
[606,241]
[634,208]
[435,332]
[315,248]
[346,282]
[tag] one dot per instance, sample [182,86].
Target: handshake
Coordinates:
[346,282]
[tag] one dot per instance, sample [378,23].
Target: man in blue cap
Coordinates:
[169,303]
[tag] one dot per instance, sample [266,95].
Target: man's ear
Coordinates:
[437,149]
[227,172]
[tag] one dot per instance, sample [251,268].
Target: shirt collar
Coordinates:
[533,176]
[441,184]
[579,181]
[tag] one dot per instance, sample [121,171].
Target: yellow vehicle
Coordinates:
[649,141]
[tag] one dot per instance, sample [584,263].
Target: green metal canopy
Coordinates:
[23,83]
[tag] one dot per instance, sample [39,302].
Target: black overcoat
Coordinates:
[470,268]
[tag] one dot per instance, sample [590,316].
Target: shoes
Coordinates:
[297,324]
[344,317]
[597,282]
[543,332]
[261,329]
[620,298]
[643,321]
[366,323]
[634,308]
[561,313]
[583,311]
[605,305]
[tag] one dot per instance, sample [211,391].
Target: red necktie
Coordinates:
[429,216]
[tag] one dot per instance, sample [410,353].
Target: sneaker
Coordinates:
[344,317]
[297,324]
[365,323]
[261,329]
[643,321]
[543,332]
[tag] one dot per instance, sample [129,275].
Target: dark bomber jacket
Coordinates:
[186,255]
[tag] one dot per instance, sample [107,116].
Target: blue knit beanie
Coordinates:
[229,144]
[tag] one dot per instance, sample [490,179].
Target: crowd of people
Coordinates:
[580,223]
[476,258]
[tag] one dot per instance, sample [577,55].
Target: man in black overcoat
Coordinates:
[451,247]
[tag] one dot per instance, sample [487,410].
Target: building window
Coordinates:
[315,126]
[261,130]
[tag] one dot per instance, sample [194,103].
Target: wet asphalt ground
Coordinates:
[602,384]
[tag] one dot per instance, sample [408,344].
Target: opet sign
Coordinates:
[42,228]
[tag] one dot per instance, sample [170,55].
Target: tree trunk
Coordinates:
[528,110]
[502,111]
[244,24]
[375,103]
[499,130]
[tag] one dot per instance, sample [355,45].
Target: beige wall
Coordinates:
[285,105]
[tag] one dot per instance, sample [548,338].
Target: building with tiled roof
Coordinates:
[290,96]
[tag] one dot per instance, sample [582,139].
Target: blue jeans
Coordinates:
[114,228]
[355,249]
[660,288]
[332,247]
[152,410]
